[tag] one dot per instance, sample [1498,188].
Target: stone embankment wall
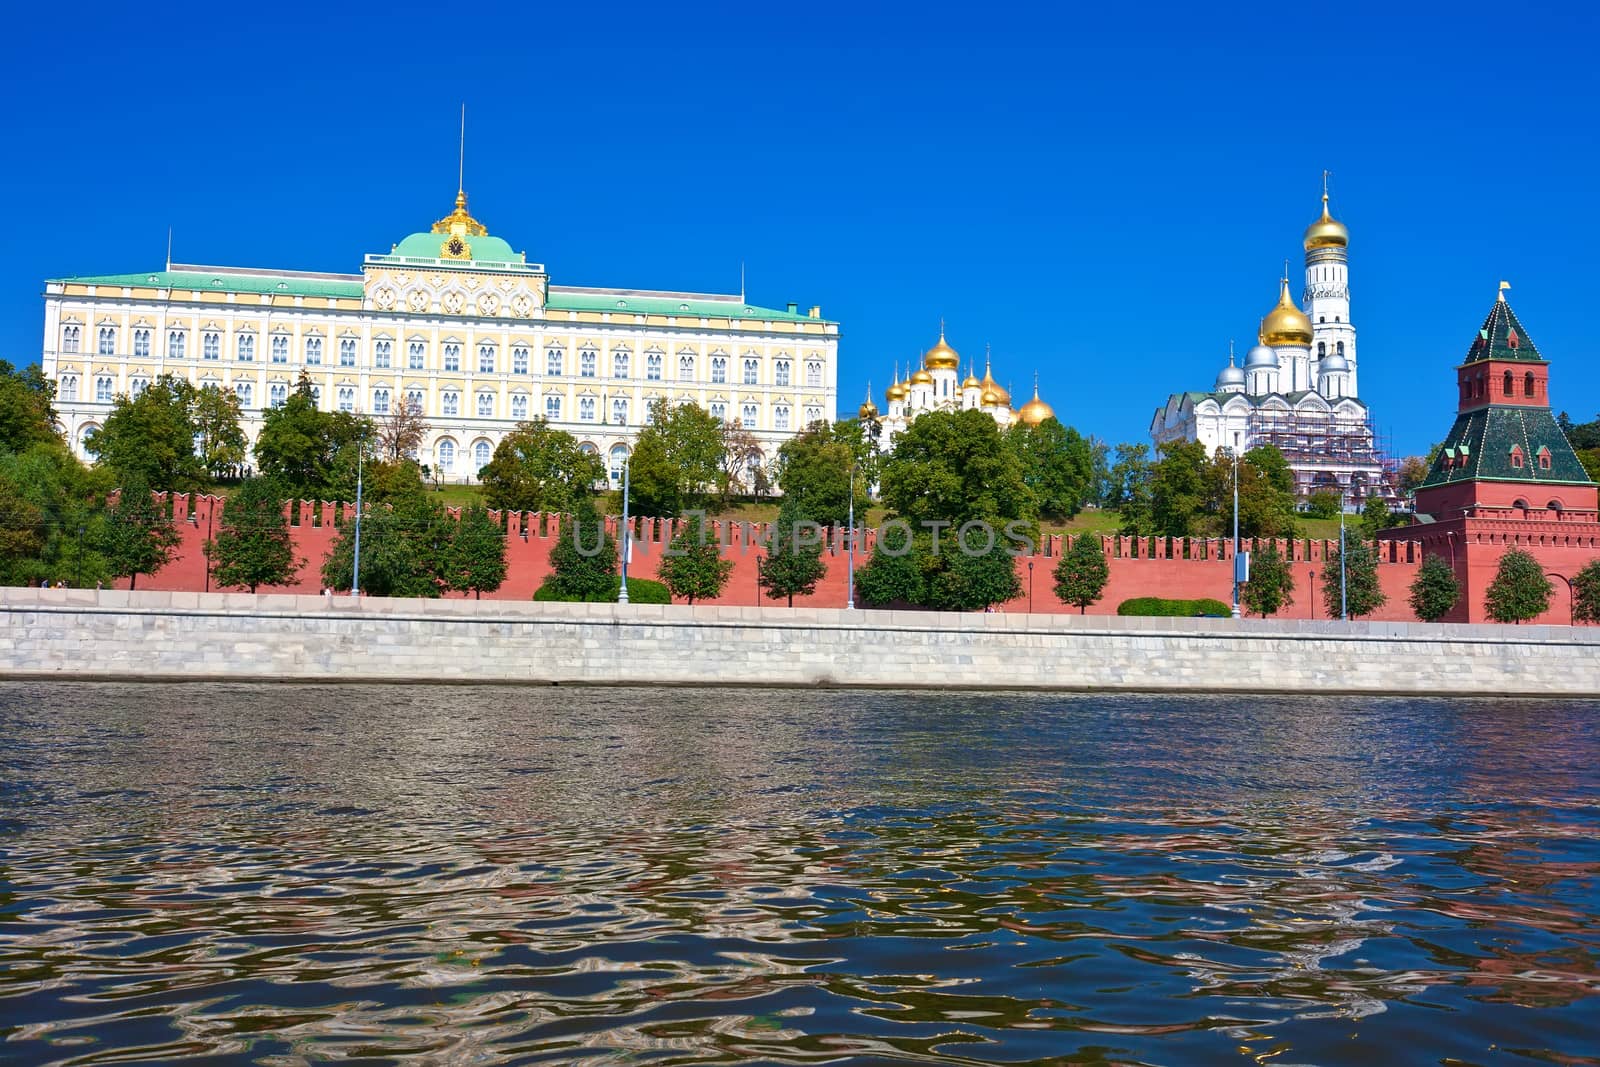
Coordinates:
[199,637]
[1177,567]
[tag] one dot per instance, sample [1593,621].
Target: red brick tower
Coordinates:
[1506,476]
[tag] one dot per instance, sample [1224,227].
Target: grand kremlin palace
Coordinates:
[451,319]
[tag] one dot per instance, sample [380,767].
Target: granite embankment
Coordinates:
[162,636]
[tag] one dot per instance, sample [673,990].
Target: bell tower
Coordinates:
[1327,292]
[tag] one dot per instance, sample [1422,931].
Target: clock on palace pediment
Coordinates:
[455,247]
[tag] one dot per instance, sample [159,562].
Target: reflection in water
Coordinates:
[284,874]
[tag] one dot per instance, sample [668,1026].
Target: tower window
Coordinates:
[1507,386]
[1527,384]
[1339,347]
[1322,349]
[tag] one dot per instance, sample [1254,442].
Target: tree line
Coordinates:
[948,472]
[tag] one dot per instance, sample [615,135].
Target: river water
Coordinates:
[296,874]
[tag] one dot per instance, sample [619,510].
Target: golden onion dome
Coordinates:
[1286,325]
[971,382]
[867,410]
[990,385]
[1326,232]
[989,399]
[1036,411]
[922,377]
[941,356]
[897,391]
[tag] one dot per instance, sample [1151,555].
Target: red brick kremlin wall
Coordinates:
[1176,568]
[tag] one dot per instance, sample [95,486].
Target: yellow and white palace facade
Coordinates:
[450,319]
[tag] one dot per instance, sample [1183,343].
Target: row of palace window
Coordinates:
[417,352]
[445,450]
[449,402]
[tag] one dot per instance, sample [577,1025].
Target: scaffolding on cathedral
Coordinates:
[1329,453]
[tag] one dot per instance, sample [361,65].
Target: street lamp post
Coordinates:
[210,515]
[1236,534]
[850,600]
[1311,576]
[355,574]
[1344,605]
[627,531]
[1030,587]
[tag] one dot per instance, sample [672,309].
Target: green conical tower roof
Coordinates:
[1506,442]
[1502,337]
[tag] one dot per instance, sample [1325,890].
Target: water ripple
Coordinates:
[284,875]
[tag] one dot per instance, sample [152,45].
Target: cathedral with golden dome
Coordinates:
[1296,388]
[937,385]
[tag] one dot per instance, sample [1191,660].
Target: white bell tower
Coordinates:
[1327,292]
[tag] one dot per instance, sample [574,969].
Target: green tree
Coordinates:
[692,565]
[27,411]
[972,579]
[252,547]
[299,445]
[1058,465]
[1323,504]
[1590,458]
[403,550]
[1128,488]
[894,573]
[1364,594]
[676,459]
[22,534]
[1413,469]
[1586,593]
[382,480]
[1375,517]
[1520,591]
[1271,585]
[584,558]
[139,537]
[475,562]
[793,564]
[219,443]
[955,466]
[814,476]
[149,439]
[1180,487]
[1266,494]
[1435,589]
[1082,573]
[539,468]
[60,496]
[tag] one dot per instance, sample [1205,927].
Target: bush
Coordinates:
[640,591]
[1157,606]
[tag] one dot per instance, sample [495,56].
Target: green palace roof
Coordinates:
[644,302]
[231,280]
[349,286]
[1502,337]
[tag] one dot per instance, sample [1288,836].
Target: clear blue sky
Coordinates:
[1105,193]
